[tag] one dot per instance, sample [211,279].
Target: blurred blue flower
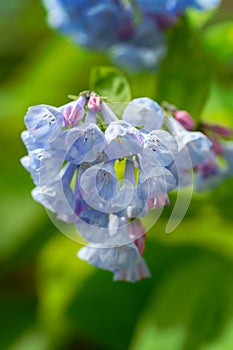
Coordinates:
[175,7]
[132,32]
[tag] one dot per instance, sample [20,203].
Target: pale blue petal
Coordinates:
[84,144]
[111,258]
[160,148]
[44,122]
[123,140]
[193,146]
[106,193]
[158,182]
[107,113]
[133,273]
[93,226]
[145,113]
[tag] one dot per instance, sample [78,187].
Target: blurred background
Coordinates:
[48,298]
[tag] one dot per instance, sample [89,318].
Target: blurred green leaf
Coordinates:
[218,41]
[31,340]
[20,216]
[107,311]
[196,228]
[60,275]
[184,76]
[20,41]
[17,314]
[225,342]
[190,308]
[110,82]
[58,70]
[219,106]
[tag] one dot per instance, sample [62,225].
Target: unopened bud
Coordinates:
[185,119]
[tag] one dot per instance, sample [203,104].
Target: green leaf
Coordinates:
[110,82]
[106,311]
[218,41]
[32,339]
[190,307]
[60,275]
[184,76]
[196,228]
[219,105]
[17,314]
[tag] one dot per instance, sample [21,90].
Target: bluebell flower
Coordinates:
[158,182]
[93,225]
[95,25]
[44,123]
[84,143]
[30,142]
[145,49]
[32,163]
[102,174]
[110,25]
[212,171]
[122,139]
[43,162]
[137,207]
[203,4]
[145,113]
[73,112]
[209,174]
[107,194]
[107,113]
[175,6]
[159,149]
[193,146]
[124,261]
[58,196]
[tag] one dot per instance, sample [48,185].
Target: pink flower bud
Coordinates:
[216,145]
[94,104]
[185,119]
[219,130]
[73,112]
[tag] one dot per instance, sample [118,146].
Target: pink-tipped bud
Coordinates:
[94,104]
[185,119]
[219,130]
[73,112]
[216,145]
[138,235]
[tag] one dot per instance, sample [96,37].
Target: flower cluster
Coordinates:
[103,174]
[131,31]
[217,164]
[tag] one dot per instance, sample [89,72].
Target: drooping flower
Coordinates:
[193,146]
[124,261]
